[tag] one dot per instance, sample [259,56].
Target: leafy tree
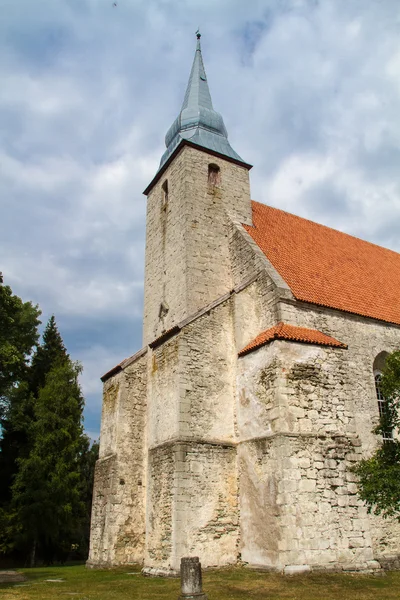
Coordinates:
[47,494]
[14,443]
[379,475]
[18,334]
[19,323]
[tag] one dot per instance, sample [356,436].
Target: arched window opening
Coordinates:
[379,362]
[165,193]
[214,175]
[387,435]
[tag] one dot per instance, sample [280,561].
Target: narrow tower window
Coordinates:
[165,193]
[214,175]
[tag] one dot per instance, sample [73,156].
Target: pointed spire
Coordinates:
[197,92]
[198,121]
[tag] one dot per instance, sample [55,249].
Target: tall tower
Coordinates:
[191,481]
[201,182]
[166,482]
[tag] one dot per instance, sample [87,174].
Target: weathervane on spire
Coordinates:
[198,34]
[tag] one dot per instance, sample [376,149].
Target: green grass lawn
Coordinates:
[79,583]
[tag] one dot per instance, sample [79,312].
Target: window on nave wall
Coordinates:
[379,364]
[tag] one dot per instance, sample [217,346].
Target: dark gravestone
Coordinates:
[191,583]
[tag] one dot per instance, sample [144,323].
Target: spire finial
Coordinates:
[197,120]
[198,35]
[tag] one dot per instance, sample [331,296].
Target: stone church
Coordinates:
[231,434]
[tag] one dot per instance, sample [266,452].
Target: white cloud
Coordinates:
[309,92]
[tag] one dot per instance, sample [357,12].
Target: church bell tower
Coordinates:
[201,184]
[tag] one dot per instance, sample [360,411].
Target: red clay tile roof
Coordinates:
[282,331]
[327,267]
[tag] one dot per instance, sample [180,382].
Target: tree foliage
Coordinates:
[46,460]
[47,493]
[379,475]
[50,353]
[19,323]
[19,414]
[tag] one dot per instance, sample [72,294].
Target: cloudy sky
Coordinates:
[310,94]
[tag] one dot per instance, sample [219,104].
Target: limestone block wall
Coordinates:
[192,504]
[208,363]
[299,504]
[366,338]
[207,503]
[118,511]
[164,392]
[296,482]
[259,476]
[160,507]
[165,266]
[192,381]
[319,398]
[187,243]
[255,309]
[192,495]
[208,264]
[299,388]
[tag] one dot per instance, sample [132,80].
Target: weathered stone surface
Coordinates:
[187,241]
[118,512]
[191,579]
[233,459]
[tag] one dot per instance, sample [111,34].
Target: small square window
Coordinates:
[214,175]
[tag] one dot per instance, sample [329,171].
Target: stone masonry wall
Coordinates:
[299,504]
[296,388]
[207,380]
[299,396]
[165,268]
[192,505]
[192,473]
[118,528]
[366,339]
[160,507]
[255,310]
[164,392]
[306,392]
[187,244]
[206,516]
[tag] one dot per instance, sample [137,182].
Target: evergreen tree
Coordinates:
[50,353]
[47,493]
[46,462]
[19,415]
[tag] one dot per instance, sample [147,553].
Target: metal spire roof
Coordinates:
[198,122]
